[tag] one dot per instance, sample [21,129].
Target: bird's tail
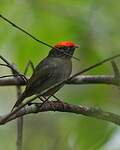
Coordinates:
[19,100]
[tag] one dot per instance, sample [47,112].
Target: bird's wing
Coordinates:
[41,74]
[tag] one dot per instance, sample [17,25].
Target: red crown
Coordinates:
[65,43]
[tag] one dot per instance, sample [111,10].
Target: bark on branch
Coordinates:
[65,107]
[81,79]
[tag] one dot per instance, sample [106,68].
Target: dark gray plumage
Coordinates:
[56,67]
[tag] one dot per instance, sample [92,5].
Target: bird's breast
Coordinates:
[63,69]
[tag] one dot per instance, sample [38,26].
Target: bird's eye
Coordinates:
[65,47]
[62,48]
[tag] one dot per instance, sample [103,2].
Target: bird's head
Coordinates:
[63,49]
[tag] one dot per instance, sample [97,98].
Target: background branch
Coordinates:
[65,107]
[19,124]
[81,79]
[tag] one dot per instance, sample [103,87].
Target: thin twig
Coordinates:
[6,76]
[94,66]
[33,37]
[11,67]
[29,64]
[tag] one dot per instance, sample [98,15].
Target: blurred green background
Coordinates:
[95,26]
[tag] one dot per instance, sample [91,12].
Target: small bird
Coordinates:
[55,68]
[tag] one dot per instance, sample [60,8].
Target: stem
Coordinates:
[19,123]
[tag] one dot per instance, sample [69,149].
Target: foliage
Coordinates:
[92,24]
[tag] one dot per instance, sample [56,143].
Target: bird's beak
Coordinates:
[77,46]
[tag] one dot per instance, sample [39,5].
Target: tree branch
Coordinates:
[93,79]
[81,79]
[19,137]
[65,107]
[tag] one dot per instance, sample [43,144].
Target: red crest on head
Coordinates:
[65,43]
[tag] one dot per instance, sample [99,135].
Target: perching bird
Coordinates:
[56,67]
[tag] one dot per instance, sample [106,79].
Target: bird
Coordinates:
[55,68]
